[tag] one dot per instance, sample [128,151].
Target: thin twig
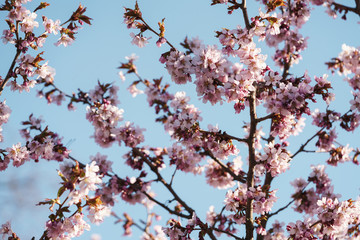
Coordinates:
[162,180]
[172,176]
[166,207]
[225,168]
[270,116]
[10,72]
[302,147]
[355,10]
[228,233]
[157,34]
[249,224]
[281,209]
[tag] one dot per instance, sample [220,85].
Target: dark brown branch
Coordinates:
[156,33]
[245,14]
[162,180]
[270,116]
[243,8]
[233,137]
[10,72]
[166,207]
[281,209]
[225,168]
[221,212]
[355,10]
[302,147]
[228,233]
[172,177]
[264,221]
[224,135]
[249,224]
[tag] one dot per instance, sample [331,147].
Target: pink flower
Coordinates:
[121,75]
[18,13]
[138,40]
[129,134]
[5,230]
[102,162]
[134,91]
[160,42]
[98,213]
[217,177]
[8,37]
[29,23]
[46,73]
[51,26]
[64,40]
[18,154]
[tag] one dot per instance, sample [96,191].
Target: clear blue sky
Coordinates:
[97,53]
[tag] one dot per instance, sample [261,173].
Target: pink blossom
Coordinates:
[129,134]
[138,40]
[276,159]
[217,177]
[64,40]
[121,76]
[86,184]
[51,26]
[134,91]
[18,154]
[105,119]
[102,162]
[4,163]
[185,159]
[161,41]
[5,230]
[28,23]
[68,228]
[46,73]
[8,37]
[98,213]
[18,13]
[4,116]
[179,67]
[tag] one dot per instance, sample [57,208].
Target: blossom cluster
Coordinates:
[236,201]
[217,78]
[46,145]
[68,228]
[23,21]
[305,200]
[92,189]
[276,159]
[105,116]
[177,231]
[333,220]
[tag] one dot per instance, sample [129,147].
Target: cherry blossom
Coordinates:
[272,100]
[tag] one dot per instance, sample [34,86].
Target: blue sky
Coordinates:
[97,53]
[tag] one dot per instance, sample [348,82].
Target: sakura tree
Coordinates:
[284,113]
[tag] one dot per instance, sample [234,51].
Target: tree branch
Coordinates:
[157,34]
[355,10]
[225,168]
[166,207]
[249,224]
[302,147]
[228,233]
[265,118]
[162,180]
[10,72]
[281,209]
[245,14]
